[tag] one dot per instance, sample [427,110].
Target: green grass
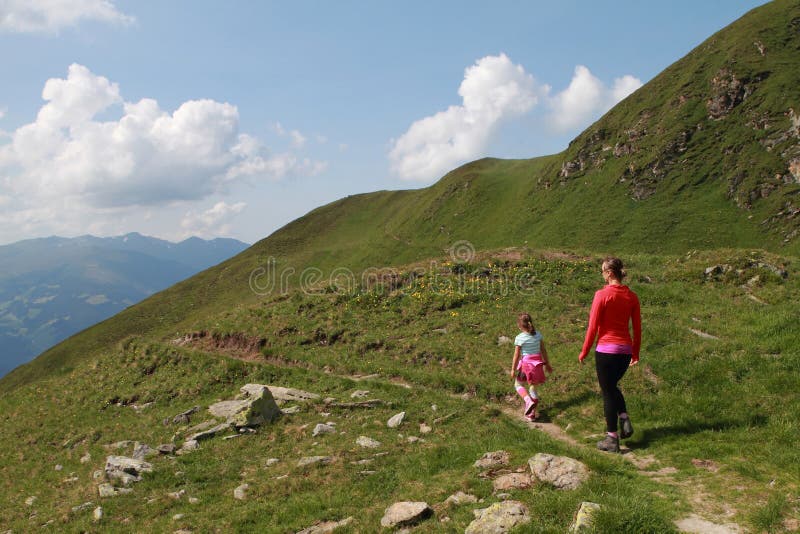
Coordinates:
[691,399]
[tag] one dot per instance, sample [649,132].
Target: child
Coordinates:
[530,357]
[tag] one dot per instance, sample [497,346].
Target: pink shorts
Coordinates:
[531,369]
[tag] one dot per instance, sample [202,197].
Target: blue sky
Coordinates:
[231,119]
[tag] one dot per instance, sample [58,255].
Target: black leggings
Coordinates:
[610,369]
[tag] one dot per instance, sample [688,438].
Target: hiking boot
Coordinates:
[530,407]
[610,444]
[625,428]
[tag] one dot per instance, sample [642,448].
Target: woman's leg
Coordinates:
[610,369]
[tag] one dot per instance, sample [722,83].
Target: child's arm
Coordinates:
[517,352]
[544,357]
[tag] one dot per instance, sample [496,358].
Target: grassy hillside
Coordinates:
[717,381]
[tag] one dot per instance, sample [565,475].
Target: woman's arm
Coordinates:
[591,330]
[636,318]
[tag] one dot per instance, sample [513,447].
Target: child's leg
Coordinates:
[520,387]
[532,390]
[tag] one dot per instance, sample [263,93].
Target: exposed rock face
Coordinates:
[492,460]
[404,514]
[323,428]
[727,92]
[257,407]
[499,518]
[560,471]
[142,451]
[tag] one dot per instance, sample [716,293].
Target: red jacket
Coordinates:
[613,308]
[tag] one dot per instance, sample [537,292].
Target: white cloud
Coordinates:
[298,140]
[49,16]
[493,90]
[3,112]
[212,222]
[147,157]
[587,98]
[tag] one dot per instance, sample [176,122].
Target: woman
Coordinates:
[614,307]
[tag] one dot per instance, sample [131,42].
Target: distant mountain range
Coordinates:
[53,287]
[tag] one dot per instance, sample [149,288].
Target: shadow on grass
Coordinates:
[646,436]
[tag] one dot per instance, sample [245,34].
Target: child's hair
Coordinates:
[615,266]
[526,323]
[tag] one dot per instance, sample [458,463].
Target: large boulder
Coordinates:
[499,518]
[257,406]
[280,394]
[493,460]
[561,471]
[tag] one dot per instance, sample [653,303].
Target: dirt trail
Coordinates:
[708,516]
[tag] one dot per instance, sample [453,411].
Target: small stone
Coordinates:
[499,518]
[30,500]
[562,472]
[368,443]
[97,475]
[310,460]
[492,460]
[106,490]
[177,494]
[240,492]
[82,507]
[434,407]
[193,500]
[424,429]
[97,515]
[359,394]
[271,461]
[177,517]
[189,445]
[326,527]
[142,451]
[396,420]
[290,410]
[166,448]
[86,458]
[459,498]
[59,467]
[414,439]
[584,519]
[403,514]
[323,428]
[365,461]
[367,473]
[512,481]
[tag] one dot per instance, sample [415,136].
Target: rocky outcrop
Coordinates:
[493,460]
[727,92]
[126,470]
[499,518]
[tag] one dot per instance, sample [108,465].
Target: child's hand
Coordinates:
[549,368]
[514,373]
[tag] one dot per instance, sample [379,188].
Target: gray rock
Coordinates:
[560,471]
[280,394]
[240,492]
[86,458]
[271,461]
[290,410]
[584,519]
[210,433]
[125,469]
[459,498]
[106,490]
[142,451]
[499,518]
[492,460]
[177,494]
[178,517]
[193,500]
[82,507]
[59,467]
[396,420]
[97,515]
[30,500]
[256,407]
[424,429]
[404,514]
[188,446]
[310,460]
[512,481]
[166,448]
[326,527]
[359,394]
[323,428]
[183,418]
[368,443]
[205,425]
